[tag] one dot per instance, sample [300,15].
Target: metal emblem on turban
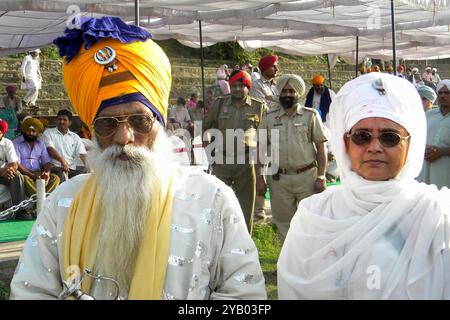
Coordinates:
[106,57]
[378,84]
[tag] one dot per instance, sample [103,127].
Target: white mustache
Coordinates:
[135,153]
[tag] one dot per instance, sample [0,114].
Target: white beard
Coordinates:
[125,189]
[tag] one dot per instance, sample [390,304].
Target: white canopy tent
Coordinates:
[308,27]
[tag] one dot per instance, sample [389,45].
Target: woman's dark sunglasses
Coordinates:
[107,126]
[387,139]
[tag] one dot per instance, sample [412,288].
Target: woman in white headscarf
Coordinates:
[380,234]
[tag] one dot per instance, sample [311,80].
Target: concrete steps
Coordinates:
[186,75]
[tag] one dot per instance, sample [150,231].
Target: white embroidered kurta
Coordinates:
[211,255]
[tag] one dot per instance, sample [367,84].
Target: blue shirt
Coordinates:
[32,159]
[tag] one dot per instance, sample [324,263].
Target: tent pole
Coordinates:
[357,58]
[394,55]
[202,62]
[329,71]
[136,12]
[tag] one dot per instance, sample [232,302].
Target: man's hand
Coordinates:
[46,176]
[319,185]
[10,172]
[432,153]
[65,165]
[260,185]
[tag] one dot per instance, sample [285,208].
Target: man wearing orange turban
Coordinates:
[138,219]
[319,97]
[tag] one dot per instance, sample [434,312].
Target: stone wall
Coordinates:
[186,75]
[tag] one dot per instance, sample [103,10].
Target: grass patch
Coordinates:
[4,293]
[269,246]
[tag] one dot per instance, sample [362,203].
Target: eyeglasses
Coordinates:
[387,139]
[107,126]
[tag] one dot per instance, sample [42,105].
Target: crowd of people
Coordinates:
[39,152]
[163,231]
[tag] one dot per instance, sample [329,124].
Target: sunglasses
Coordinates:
[107,126]
[387,139]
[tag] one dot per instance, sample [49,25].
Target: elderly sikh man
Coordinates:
[319,97]
[159,232]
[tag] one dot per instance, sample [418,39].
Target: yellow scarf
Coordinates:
[81,232]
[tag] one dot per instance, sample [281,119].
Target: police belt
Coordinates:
[297,171]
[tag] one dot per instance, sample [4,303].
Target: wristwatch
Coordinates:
[321,178]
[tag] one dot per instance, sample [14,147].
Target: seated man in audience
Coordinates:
[178,116]
[64,146]
[9,176]
[11,100]
[34,161]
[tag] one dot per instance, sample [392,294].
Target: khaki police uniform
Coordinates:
[297,160]
[232,167]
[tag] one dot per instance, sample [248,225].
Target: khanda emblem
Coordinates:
[106,57]
[379,85]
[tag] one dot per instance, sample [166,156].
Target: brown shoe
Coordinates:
[23,215]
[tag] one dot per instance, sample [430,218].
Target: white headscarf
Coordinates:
[359,99]
[398,226]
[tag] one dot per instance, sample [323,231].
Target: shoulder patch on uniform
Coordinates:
[257,99]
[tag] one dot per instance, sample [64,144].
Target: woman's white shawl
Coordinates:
[367,239]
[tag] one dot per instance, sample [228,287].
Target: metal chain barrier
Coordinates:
[9,213]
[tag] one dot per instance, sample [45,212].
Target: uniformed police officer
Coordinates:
[233,162]
[302,157]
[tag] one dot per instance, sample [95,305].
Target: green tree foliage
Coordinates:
[48,53]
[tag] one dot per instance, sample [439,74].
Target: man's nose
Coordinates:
[124,134]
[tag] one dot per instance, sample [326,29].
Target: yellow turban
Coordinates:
[142,67]
[32,122]
[318,79]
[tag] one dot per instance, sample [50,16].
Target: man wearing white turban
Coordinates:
[428,96]
[435,78]
[436,168]
[380,234]
[299,171]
